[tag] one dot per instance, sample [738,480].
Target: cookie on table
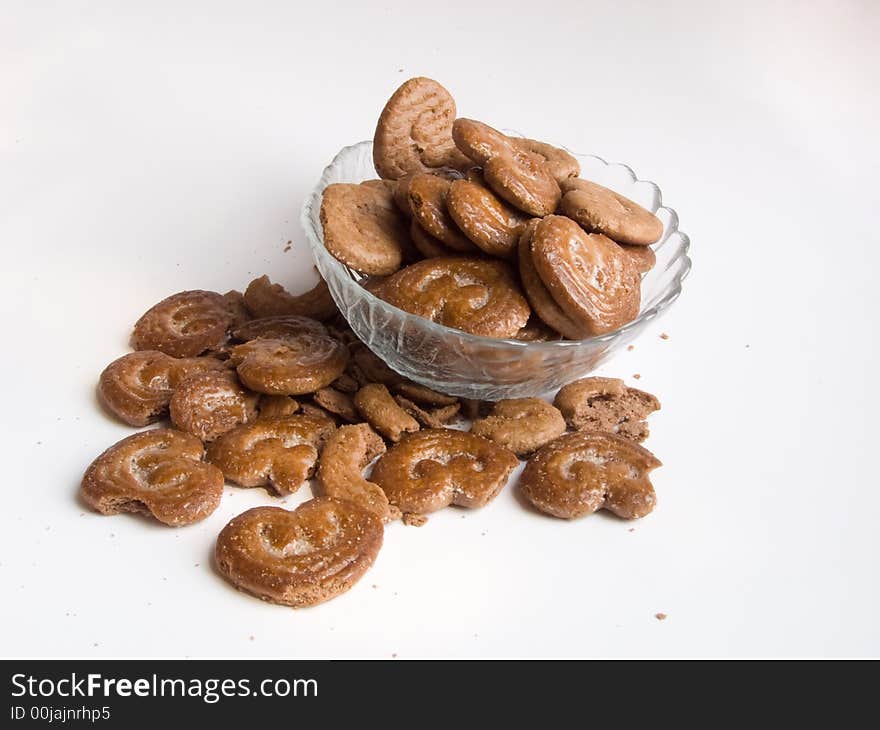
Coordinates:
[302,557]
[582,472]
[434,468]
[159,472]
[606,404]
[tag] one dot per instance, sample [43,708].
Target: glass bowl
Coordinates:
[484,368]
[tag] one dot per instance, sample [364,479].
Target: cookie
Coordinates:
[262,298]
[477,296]
[209,404]
[491,224]
[582,472]
[341,469]
[290,366]
[372,368]
[427,201]
[643,257]
[591,279]
[423,394]
[338,403]
[362,228]
[434,468]
[600,210]
[236,307]
[561,164]
[278,327]
[137,387]
[426,244]
[414,132]
[383,413]
[435,418]
[539,296]
[276,453]
[158,472]
[299,558]
[185,324]
[536,330]
[479,141]
[522,179]
[522,425]
[606,404]
[277,406]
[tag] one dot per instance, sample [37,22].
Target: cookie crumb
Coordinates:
[660,616]
[288,246]
[664,336]
[414,520]
[630,348]
[637,376]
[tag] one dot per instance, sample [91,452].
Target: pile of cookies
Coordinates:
[487,233]
[267,389]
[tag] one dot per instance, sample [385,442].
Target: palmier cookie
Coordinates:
[486,220]
[158,472]
[209,404]
[137,387]
[582,472]
[473,295]
[299,558]
[523,180]
[341,469]
[362,228]
[276,453]
[606,404]
[427,202]
[560,164]
[479,141]
[433,468]
[414,132]
[291,365]
[426,244]
[600,210]
[185,324]
[262,298]
[522,425]
[539,296]
[643,257]
[591,279]
[277,327]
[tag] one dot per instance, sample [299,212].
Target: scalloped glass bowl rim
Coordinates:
[315,240]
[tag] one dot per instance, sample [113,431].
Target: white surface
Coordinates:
[144,152]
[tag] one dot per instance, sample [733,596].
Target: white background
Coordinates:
[151,147]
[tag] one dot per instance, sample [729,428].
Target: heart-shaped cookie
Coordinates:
[158,472]
[299,558]
[276,453]
[582,472]
[437,467]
